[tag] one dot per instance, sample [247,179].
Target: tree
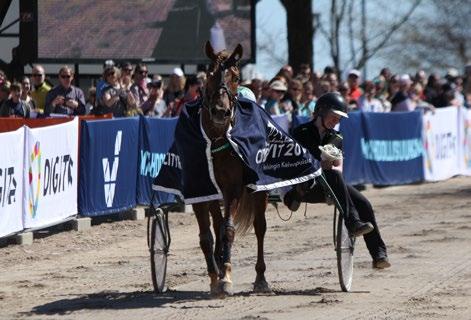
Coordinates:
[344,18]
[437,38]
[300,32]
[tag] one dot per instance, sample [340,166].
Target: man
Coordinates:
[353,81]
[330,108]
[40,88]
[65,98]
[15,106]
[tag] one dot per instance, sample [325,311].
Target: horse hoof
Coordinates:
[261,287]
[226,288]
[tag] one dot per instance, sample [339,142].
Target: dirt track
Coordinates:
[105,273]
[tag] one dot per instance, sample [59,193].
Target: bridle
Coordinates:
[222,86]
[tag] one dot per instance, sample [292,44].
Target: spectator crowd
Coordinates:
[129,90]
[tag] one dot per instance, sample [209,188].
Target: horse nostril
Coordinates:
[228,113]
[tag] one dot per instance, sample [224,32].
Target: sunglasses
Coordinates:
[65,76]
[142,71]
[127,70]
[37,75]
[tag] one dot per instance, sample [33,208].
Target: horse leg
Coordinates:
[206,243]
[216,214]
[228,231]
[260,226]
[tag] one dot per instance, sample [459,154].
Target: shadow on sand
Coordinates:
[143,299]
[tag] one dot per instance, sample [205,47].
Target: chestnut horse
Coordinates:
[242,208]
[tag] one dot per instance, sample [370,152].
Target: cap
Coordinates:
[452,72]
[246,93]
[108,63]
[278,85]
[178,72]
[405,79]
[355,72]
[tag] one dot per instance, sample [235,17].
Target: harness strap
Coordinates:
[225,146]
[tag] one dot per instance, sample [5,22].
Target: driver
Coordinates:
[330,108]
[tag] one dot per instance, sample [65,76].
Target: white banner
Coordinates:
[11,181]
[465,140]
[441,144]
[50,183]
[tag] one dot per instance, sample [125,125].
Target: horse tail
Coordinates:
[250,205]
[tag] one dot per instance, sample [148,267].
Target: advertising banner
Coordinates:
[50,174]
[108,166]
[441,158]
[155,139]
[464,131]
[11,181]
[383,148]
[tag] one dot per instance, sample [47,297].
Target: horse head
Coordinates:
[219,99]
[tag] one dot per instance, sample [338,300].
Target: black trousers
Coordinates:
[355,207]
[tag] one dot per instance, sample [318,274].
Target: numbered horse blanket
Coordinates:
[272,157]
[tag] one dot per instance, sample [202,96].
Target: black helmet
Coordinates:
[331,101]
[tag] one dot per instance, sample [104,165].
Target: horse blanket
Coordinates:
[272,157]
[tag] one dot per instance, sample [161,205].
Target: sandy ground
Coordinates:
[104,273]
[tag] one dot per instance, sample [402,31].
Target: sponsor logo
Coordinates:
[34,179]
[111,172]
[391,150]
[7,186]
[52,178]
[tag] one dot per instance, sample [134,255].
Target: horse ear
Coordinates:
[210,51]
[235,56]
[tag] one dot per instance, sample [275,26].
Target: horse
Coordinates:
[242,208]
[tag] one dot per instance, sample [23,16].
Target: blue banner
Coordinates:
[155,139]
[383,148]
[108,166]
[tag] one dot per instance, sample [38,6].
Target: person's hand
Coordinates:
[327,164]
[59,100]
[71,104]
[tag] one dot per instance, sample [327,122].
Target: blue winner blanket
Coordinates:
[273,158]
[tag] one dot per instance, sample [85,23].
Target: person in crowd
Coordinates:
[290,102]
[126,76]
[14,106]
[114,99]
[26,94]
[381,92]
[139,87]
[175,88]
[40,89]
[286,72]
[333,81]
[201,75]
[4,90]
[416,94]
[401,100]
[155,105]
[355,92]
[256,85]
[367,102]
[433,88]
[308,100]
[357,210]
[393,85]
[421,77]
[193,87]
[65,98]
[446,96]
[102,81]
[344,90]
[277,91]
[91,101]
[304,73]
